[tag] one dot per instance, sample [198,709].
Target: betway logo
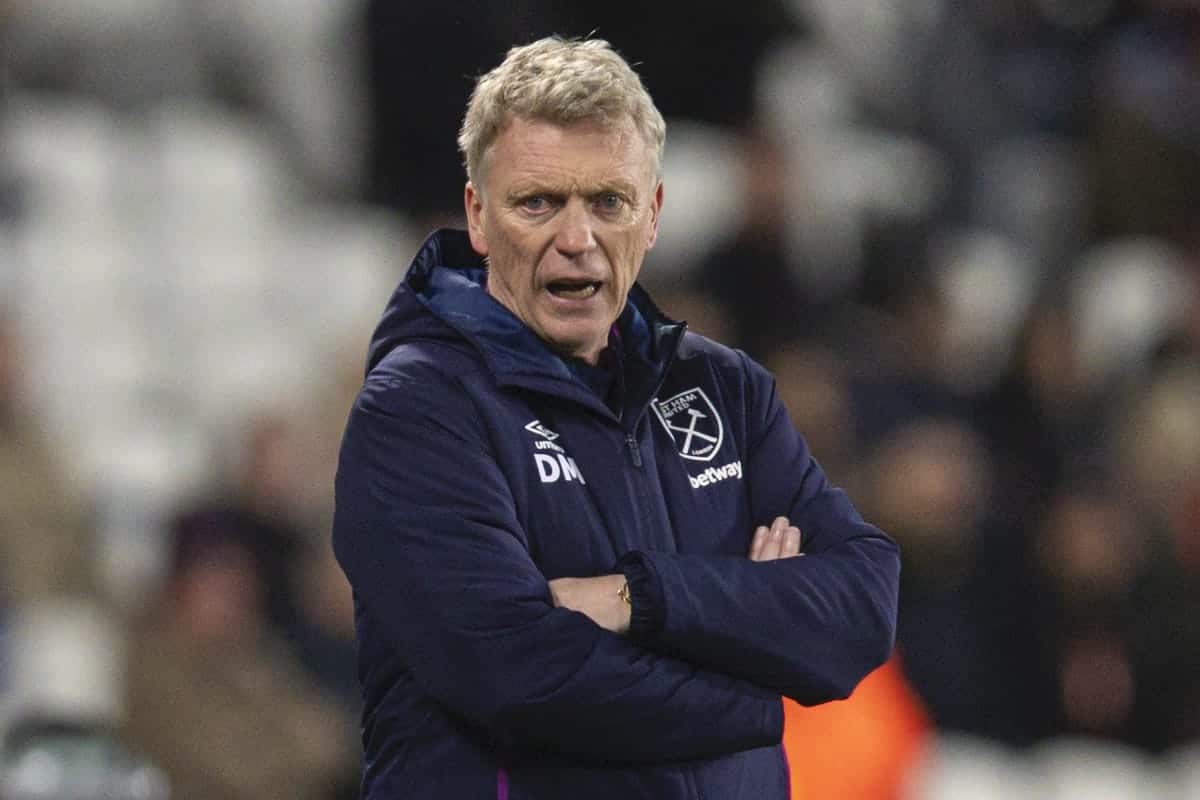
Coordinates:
[714,474]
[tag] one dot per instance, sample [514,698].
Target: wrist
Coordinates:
[625,605]
[645,605]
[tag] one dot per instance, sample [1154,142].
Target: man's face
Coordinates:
[565,215]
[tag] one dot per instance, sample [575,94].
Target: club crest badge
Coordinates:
[692,422]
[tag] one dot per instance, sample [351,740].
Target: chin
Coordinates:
[577,347]
[572,349]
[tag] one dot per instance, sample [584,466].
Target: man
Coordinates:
[567,521]
[211,695]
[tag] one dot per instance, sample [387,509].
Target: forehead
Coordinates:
[584,153]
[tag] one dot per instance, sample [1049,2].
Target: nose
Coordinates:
[575,235]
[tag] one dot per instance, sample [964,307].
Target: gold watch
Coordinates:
[623,593]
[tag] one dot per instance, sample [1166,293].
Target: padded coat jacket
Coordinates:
[477,465]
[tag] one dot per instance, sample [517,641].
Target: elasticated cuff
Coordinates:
[645,594]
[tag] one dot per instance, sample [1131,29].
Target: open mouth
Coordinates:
[573,290]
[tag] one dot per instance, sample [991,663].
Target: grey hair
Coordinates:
[558,80]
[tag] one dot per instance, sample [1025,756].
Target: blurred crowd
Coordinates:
[965,236]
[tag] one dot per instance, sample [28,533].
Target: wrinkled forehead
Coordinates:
[623,129]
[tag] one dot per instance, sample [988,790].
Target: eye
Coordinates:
[610,202]
[535,203]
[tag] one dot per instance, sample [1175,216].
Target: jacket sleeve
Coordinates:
[810,628]
[426,530]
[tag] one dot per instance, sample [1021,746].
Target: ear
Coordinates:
[473,202]
[655,210]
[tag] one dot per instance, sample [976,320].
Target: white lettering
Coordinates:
[716,474]
[542,444]
[570,469]
[553,468]
[677,403]
[548,469]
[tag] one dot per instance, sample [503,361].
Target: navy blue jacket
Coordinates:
[477,465]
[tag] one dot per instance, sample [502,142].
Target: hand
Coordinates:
[781,540]
[597,598]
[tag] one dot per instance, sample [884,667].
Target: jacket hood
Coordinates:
[447,254]
[442,297]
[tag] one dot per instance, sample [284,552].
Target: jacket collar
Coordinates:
[448,277]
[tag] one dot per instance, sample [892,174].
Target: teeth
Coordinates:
[575,293]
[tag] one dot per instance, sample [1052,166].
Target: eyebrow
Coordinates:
[526,189]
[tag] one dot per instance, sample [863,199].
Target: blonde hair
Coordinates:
[558,80]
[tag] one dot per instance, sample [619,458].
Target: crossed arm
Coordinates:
[599,598]
[443,573]
[443,576]
[807,628]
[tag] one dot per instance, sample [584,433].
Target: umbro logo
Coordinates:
[555,465]
[536,427]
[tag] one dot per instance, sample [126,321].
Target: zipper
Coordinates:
[642,499]
[635,452]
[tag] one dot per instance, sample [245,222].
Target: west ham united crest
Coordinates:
[692,421]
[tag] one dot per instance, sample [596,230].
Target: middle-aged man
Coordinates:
[569,524]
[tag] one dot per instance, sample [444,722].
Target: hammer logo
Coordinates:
[692,422]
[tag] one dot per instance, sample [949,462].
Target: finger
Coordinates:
[791,542]
[756,544]
[773,545]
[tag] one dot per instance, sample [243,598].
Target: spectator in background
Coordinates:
[754,276]
[930,480]
[321,632]
[270,498]
[45,545]
[898,355]
[279,502]
[1147,124]
[1092,555]
[1039,419]
[813,383]
[1157,447]
[321,625]
[213,697]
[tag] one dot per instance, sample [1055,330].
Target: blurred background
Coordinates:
[964,235]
